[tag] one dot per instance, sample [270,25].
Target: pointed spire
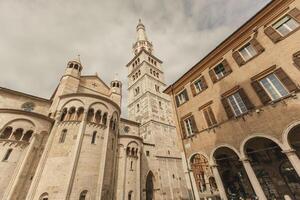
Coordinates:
[142,40]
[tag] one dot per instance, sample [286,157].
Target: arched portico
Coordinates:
[271,166]
[232,172]
[203,181]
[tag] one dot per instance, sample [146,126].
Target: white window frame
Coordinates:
[198,83]
[188,126]
[245,47]
[239,106]
[284,24]
[221,74]
[181,97]
[274,87]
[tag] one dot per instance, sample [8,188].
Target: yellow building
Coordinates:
[238,110]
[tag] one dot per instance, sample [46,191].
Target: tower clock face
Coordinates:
[126,129]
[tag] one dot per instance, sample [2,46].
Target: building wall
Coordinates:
[18,169]
[264,120]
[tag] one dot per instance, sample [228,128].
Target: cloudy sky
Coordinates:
[38,37]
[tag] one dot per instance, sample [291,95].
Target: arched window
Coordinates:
[98,117]
[71,65]
[76,66]
[63,114]
[7,154]
[6,133]
[17,135]
[149,186]
[83,195]
[63,135]
[27,136]
[104,119]
[44,196]
[90,116]
[94,137]
[80,113]
[71,116]
[130,194]
[128,150]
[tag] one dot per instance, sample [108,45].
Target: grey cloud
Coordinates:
[39,37]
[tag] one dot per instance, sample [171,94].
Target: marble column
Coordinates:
[293,158]
[219,182]
[253,179]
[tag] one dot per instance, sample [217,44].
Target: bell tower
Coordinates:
[146,101]
[148,105]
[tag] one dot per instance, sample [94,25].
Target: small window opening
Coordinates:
[7,155]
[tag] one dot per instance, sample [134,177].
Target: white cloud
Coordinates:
[39,37]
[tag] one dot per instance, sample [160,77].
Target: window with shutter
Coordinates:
[189,126]
[198,86]
[285,25]
[248,51]
[182,97]
[237,104]
[263,96]
[296,59]
[219,71]
[209,116]
[273,87]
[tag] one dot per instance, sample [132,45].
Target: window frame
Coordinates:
[237,104]
[290,31]
[244,47]
[273,87]
[210,118]
[7,155]
[223,72]
[190,124]
[182,92]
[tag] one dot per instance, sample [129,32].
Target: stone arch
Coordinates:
[84,195]
[94,105]
[286,132]
[199,165]
[150,179]
[72,102]
[198,152]
[233,175]
[19,121]
[44,196]
[211,158]
[242,147]
[276,174]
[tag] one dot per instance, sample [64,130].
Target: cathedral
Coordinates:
[76,146]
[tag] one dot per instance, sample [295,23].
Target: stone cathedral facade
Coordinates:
[76,146]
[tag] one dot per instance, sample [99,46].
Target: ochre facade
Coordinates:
[238,110]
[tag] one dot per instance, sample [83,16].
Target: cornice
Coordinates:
[23,112]
[25,94]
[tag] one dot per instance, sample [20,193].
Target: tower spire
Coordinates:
[142,40]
